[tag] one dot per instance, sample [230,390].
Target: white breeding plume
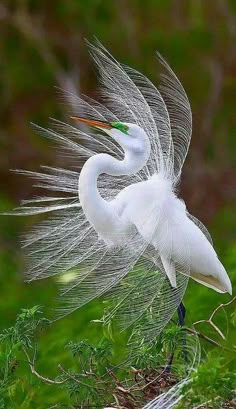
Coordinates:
[118,226]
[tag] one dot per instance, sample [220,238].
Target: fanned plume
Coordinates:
[66,245]
[180,115]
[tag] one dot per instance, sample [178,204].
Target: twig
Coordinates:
[78,381]
[73,378]
[200,335]
[210,319]
[42,378]
[152,381]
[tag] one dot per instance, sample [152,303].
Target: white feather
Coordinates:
[125,232]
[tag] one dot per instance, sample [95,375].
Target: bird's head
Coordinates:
[131,137]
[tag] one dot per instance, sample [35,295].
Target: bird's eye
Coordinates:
[122,127]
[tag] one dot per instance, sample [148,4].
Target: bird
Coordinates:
[118,228]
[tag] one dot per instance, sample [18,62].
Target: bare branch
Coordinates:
[42,378]
[213,325]
[200,335]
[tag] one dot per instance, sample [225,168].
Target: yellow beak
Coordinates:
[91,122]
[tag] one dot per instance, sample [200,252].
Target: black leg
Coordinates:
[169,363]
[181,310]
[181,314]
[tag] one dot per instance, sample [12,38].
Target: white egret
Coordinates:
[119,227]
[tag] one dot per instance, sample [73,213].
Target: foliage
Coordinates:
[214,382]
[23,332]
[95,378]
[17,338]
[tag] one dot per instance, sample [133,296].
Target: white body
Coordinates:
[158,215]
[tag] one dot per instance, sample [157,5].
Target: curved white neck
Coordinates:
[96,209]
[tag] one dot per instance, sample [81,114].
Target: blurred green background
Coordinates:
[42,46]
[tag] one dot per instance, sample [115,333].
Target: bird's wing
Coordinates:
[201,226]
[180,115]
